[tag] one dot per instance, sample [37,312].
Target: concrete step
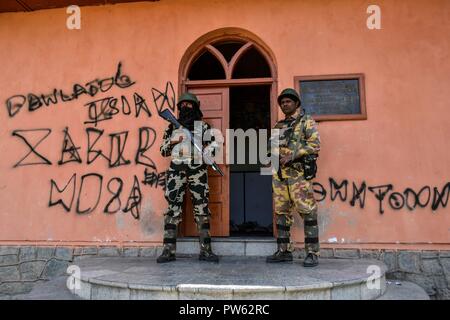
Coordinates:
[56,289]
[235,277]
[231,246]
[403,290]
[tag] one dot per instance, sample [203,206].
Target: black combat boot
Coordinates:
[280,256]
[170,242]
[209,256]
[311,260]
[203,227]
[166,256]
[206,253]
[283,241]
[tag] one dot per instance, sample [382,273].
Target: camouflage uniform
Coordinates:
[184,171]
[290,189]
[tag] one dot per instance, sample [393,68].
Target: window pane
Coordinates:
[228,48]
[206,67]
[251,65]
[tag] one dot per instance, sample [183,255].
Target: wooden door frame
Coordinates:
[224,34]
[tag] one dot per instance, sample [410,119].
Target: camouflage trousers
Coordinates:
[292,192]
[196,179]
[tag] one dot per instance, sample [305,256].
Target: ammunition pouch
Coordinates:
[307,164]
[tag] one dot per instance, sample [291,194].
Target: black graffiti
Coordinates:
[140,104]
[409,198]
[164,99]
[118,142]
[16,102]
[101,110]
[134,200]
[26,136]
[53,184]
[321,191]
[359,194]
[91,185]
[396,200]
[69,151]
[333,184]
[147,137]
[116,195]
[122,80]
[380,193]
[90,150]
[440,197]
[154,179]
[106,108]
[93,176]
[409,191]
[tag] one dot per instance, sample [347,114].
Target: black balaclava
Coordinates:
[187,116]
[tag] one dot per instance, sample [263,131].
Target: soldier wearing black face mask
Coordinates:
[185,171]
[189,114]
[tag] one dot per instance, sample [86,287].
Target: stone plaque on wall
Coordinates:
[333,97]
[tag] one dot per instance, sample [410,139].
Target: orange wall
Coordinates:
[403,141]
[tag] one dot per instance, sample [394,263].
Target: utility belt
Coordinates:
[307,164]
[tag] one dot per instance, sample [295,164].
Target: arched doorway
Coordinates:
[233,73]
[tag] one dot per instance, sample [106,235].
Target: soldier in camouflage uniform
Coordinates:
[186,169]
[291,190]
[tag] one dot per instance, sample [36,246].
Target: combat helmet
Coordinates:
[289,93]
[190,97]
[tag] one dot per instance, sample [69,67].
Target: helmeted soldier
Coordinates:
[186,169]
[298,148]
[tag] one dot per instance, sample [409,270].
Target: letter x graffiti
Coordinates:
[26,135]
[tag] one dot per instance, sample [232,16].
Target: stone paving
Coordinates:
[233,277]
[231,269]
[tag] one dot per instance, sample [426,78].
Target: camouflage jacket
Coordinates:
[185,152]
[292,146]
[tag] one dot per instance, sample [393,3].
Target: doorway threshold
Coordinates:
[231,246]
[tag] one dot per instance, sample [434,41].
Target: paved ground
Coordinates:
[55,289]
[403,290]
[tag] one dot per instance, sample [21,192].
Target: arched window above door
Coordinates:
[229,59]
[251,64]
[228,48]
[206,67]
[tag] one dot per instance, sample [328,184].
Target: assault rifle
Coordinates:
[167,115]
